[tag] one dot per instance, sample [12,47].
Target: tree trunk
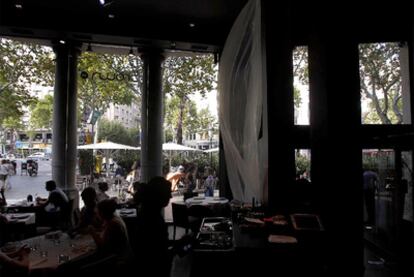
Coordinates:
[180,122]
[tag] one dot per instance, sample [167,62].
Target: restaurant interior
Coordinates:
[271,224]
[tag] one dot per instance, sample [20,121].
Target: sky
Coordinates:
[209,101]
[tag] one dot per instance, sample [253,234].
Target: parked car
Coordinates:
[38,156]
[10,156]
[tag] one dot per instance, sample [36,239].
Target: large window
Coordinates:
[303,163]
[384,81]
[301,85]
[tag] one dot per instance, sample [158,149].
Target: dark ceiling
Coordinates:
[123,22]
[168,23]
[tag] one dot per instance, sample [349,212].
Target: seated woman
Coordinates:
[113,240]
[101,193]
[89,212]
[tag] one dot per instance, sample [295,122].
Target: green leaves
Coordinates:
[21,66]
[111,79]
[116,132]
[41,113]
[185,76]
[380,76]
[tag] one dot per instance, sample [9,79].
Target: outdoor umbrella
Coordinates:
[171,147]
[107,148]
[216,149]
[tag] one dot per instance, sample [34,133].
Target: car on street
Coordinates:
[39,156]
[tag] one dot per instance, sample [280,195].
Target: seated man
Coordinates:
[57,200]
[56,205]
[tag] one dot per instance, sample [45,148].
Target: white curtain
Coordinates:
[243,106]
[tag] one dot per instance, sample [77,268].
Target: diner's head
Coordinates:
[103,186]
[50,185]
[89,196]
[157,192]
[139,191]
[106,208]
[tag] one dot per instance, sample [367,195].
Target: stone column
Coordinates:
[64,139]
[152,116]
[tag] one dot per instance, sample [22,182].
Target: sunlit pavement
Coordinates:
[23,185]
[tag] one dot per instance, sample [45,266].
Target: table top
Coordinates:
[126,212]
[206,200]
[26,218]
[53,249]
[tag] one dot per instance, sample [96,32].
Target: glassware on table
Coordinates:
[63,258]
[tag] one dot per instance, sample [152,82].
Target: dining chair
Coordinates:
[180,217]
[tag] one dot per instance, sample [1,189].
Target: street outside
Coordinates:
[22,185]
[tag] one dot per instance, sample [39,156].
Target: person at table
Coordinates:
[55,207]
[15,263]
[113,240]
[101,192]
[210,183]
[89,212]
[57,200]
[152,232]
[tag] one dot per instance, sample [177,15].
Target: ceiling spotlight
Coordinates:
[111,16]
[192,25]
[105,3]
[62,41]
[89,49]
[19,6]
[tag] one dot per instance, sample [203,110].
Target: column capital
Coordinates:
[147,52]
[71,47]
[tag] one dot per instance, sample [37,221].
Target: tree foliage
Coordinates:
[21,66]
[300,73]
[41,113]
[109,79]
[116,132]
[184,76]
[380,83]
[207,123]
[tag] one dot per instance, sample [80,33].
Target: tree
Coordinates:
[11,125]
[184,76]
[174,113]
[116,132]
[300,73]
[107,79]
[207,122]
[381,82]
[41,113]
[21,65]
